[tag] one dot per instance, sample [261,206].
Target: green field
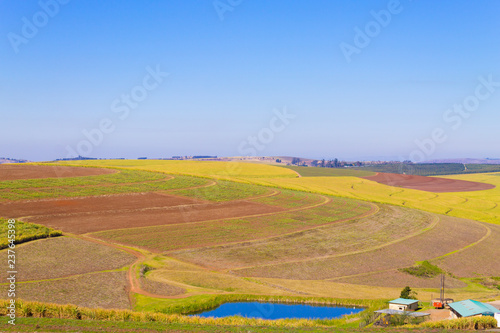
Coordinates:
[432,169]
[25,232]
[330,172]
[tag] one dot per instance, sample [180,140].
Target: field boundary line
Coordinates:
[360,274]
[326,200]
[374,209]
[429,227]
[122,269]
[487,235]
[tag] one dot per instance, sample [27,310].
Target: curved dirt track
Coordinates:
[429,184]
[20,171]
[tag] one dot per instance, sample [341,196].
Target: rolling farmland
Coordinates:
[164,234]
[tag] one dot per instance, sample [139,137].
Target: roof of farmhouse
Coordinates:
[403,301]
[470,307]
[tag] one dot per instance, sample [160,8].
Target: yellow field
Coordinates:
[220,170]
[478,205]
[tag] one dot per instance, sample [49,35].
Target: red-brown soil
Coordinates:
[86,215]
[20,171]
[429,184]
[91,205]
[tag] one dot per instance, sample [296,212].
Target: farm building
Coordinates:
[471,308]
[403,304]
[497,317]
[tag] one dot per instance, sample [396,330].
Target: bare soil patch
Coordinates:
[92,205]
[64,256]
[429,184]
[96,219]
[20,171]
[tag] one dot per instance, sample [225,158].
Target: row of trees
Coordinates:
[335,163]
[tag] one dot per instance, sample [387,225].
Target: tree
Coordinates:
[407,293]
[278,160]
[315,163]
[296,161]
[323,163]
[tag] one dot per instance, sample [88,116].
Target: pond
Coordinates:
[278,311]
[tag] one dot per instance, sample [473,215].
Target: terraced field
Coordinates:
[161,232]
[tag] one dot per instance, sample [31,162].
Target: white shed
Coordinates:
[403,304]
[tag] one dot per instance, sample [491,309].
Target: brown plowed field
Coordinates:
[16,171]
[145,213]
[92,205]
[429,184]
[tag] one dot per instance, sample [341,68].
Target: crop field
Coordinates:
[453,234]
[25,232]
[329,172]
[99,290]
[216,170]
[432,169]
[208,229]
[480,255]
[24,171]
[61,254]
[224,191]
[429,184]
[387,225]
[106,188]
[477,205]
[186,235]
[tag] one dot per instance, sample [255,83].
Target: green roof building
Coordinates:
[471,308]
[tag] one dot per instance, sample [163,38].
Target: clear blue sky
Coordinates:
[65,68]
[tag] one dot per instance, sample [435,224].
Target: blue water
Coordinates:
[278,311]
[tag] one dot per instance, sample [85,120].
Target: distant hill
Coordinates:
[468,161]
[11,160]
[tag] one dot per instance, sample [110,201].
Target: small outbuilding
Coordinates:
[471,308]
[403,304]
